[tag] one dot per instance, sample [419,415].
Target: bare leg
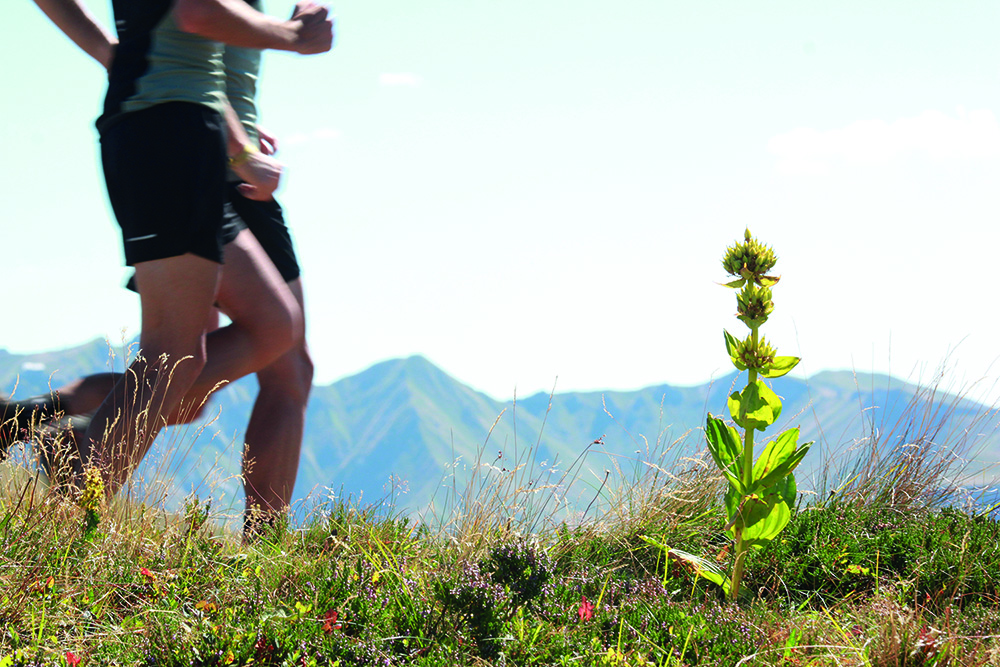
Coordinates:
[266,320]
[274,435]
[177,295]
[85,395]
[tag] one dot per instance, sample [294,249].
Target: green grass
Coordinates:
[846,587]
[508,577]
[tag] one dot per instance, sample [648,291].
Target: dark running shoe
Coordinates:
[19,419]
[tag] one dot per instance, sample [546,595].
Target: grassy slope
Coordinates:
[865,577]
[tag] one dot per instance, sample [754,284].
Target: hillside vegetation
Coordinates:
[879,570]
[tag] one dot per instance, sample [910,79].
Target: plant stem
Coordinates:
[747,475]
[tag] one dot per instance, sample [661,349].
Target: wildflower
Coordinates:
[93,491]
[748,354]
[586,610]
[263,648]
[330,622]
[928,643]
[754,304]
[44,587]
[146,573]
[749,261]
[206,606]
[71,659]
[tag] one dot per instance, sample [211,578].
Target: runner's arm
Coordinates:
[76,22]
[260,173]
[309,30]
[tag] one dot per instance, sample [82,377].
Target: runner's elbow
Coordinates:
[195,16]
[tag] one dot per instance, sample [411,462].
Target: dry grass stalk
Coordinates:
[919,460]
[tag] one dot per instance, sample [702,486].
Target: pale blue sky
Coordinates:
[526,189]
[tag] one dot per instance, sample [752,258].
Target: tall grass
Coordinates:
[921,459]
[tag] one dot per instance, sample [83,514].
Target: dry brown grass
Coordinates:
[921,459]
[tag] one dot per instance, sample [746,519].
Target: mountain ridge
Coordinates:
[405,423]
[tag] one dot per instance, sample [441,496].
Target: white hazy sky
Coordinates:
[533,189]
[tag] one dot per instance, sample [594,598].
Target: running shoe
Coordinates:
[18,419]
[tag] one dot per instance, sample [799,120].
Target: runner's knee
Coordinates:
[291,375]
[279,332]
[183,367]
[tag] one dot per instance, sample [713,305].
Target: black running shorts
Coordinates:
[267,223]
[165,169]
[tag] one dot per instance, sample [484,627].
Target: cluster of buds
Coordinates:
[750,356]
[90,500]
[93,491]
[754,304]
[750,261]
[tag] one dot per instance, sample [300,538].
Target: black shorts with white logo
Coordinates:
[165,169]
[266,222]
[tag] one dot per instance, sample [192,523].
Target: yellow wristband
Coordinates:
[243,155]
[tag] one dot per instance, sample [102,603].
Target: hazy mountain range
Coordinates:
[406,425]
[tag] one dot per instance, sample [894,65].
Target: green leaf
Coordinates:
[702,568]
[756,509]
[724,445]
[732,347]
[787,488]
[779,458]
[780,366]
[752,323]
[760,517]
[649,540]
[732,343]
[771,522]
[756,407]
[786,468]
[736,284]
[769,281]
[735,403]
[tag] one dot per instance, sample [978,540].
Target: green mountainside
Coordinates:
[404,426]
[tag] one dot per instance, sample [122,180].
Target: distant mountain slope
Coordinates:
[405,423]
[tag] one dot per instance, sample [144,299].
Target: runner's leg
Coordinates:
[274,435]
[177,294]
[266,320]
